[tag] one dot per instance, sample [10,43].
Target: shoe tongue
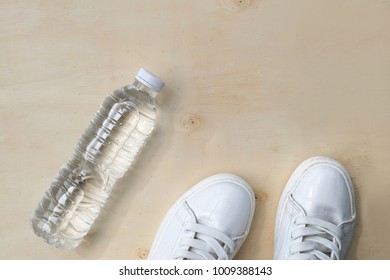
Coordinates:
[321,247]
[188,214]
[197,251]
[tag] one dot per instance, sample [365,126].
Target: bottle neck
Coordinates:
[145,88]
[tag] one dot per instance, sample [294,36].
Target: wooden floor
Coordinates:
[252,88]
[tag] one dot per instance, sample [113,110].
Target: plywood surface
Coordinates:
[252,88]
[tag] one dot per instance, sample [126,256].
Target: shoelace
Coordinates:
[208,244]
[320,239]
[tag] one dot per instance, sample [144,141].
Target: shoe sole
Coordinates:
[222,177]
[295,178]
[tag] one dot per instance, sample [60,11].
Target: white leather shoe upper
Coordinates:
[210,221]
[316,213]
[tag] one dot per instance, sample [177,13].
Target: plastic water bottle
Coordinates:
[103,154]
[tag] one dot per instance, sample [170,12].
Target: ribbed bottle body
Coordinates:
[104,153]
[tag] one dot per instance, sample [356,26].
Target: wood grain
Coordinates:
[252,87]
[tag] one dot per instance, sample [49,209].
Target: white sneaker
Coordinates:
[316,213]
[210,221]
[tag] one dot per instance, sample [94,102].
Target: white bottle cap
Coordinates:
[149,80]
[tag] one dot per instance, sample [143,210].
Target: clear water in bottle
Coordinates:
[104,153]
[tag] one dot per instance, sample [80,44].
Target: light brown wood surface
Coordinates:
[252,88]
